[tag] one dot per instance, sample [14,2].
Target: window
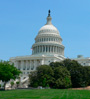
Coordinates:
[32,67]
[47,39]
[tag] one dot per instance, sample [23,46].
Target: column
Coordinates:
[19,65]
[63,51]
[56,49]
[53,49]
[30,64]
[35,64]
[39,49]
[45,48]
[42,61]
[50,49]
[22,64]
[59,49]
[26,64]
[42,48]
[16,64]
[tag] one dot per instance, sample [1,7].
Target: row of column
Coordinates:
[47,48]
[27,64]
[48,39]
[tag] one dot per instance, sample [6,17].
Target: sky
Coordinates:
[20,21]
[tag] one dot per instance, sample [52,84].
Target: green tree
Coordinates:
[17,83]
[87,74]
[62,77]
[58,77]
[77,72]
[12,83]
[42,77]
[0,85]
[7,72]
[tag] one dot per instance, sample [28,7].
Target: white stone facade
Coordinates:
[47,48]
[84,61]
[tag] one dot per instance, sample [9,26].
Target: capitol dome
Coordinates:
[48,29]
[48,40]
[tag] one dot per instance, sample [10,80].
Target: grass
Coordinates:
[45,94]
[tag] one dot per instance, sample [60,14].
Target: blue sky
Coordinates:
[20,21]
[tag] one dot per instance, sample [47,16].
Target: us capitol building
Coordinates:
[47,48]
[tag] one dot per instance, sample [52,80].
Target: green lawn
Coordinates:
[45,94]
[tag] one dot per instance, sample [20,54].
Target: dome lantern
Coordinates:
[49,18]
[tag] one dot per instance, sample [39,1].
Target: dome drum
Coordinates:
[48,40]
[48,49]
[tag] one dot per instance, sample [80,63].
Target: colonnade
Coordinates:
[48,39]
[27,64]
[47,48]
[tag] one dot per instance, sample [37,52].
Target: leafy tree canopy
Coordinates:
[62,77]
[79,74]
[8,71]
[42,77]
[46,76]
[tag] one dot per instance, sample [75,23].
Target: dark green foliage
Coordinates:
[8,71]
[45,76]
[80,75]
[12,83]
[62,77]
[17,83]
[0,85]
[41,77]
[33,79]
[87,74]
[56,64]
